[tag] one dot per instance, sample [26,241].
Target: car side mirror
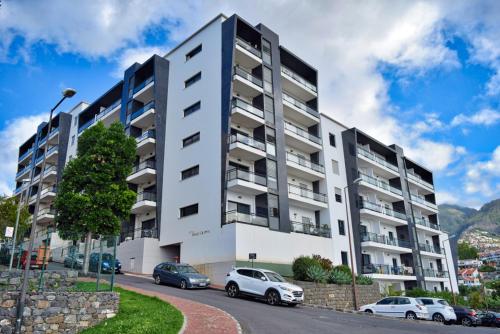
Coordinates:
[262,278]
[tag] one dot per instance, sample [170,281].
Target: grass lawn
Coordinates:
[137,314]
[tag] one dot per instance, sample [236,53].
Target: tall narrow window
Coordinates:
[269,109]
[268,80]
[332,140]
[343,255]
[266,51]
[335,167]
[190,172]
[192,80]
[338,195]
[193,52]
[192,108]
[188,210]
[341,227]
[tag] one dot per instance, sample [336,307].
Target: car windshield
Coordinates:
[186,270]
[107,257]
[443,302]
[274,277]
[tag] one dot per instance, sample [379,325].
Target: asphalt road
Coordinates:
[258,317]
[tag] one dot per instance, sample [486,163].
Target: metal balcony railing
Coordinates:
[381,209]
[302,133]
[383,239]
[139,112]
[380,184]
[370,155]
[386,269]
[146,196]
[146,135]
[239,103]
[139,233]
[298,79]
[46,211]
[239,71]
[426,222]
[422,200]
[435,273]
[247,46]
[418,179]
[143,84]
[246,218]
[143,165]
[299,104]
[25,154]
[305,162]
[311,229]
[307,193]
[429,248]
[247,140]
[245,175]
[24,170]
[106,111]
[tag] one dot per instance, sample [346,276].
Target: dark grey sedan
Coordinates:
[179,274]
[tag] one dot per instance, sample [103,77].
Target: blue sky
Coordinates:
[424,75]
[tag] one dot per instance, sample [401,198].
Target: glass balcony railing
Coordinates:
[422,200]
[247,46]
[246,218]
[143,165]
[380,184]
[24,170]
[106,111]
[53,131]
[146,196]
[247,140]
[49,169]
[25,154]
[383,239]
[300,105]
[137,113]
[307,193]
[139,233]
[435,273]
[416,178]
[429,248]
[304,162]
[239,103]
[52,189]
[298,79]
[145,135]
[370,155]
[239,71]
[311,229]
[240,174]
[382,209]
[386,269]
[302,133]
[426,222]
[46,211]
[143,84]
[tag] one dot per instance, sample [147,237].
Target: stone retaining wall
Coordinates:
[338,296]
[60,280]
[57,312]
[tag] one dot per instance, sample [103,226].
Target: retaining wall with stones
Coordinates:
[57,312]
[60,280]
[338,296]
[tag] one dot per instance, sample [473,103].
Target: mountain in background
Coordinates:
[458,219]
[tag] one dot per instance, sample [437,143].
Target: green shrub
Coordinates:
[390,291]
[339,277]
[487,269]
[300,266]
[325,263]
[345,269]
[417,292]
[364,280]
[316,274]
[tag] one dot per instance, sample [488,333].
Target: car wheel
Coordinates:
[369,311]
[411,315]
[157,280]
[466,322]
[273,297]
[438,317]
[233,290]
[183,284]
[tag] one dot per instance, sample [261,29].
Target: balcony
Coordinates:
[379,211]
[417,180]
[245,114]
[143,172]
[23,172]
[246,182]
[375,160]
[139,233]
[304,168]
[430,250]
[246,147]
[298,111]
[146,201]
[246,83]
[301,139]
[245,218]
[45,215]
[54,136]
[421,202]
[47,195]
[144,91]
[427,223]
[25,157]
[104,115]
[431,273]
[50,174]
[386,271]
[306,198]
[385,191]
[378,241]
[146,143]
[246,54]
[311,229]
[144,117]
[297,85]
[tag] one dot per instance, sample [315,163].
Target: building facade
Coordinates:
[234,157]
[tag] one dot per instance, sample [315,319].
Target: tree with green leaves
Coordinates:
[8,214]
[466,251]
[93,197]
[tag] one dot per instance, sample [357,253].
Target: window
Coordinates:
[258,275]
[76,120]
[72,140]
[269,109]
[268,80]
[193,52]
[341,227]
[335,167]
[343,255]
[192,108]
[192,80]
[191,139]
[387,301]
[427,301]
[190,172]
[266,51]
[332,140]
[188,210]
[403,301]
[245,272]
[338,195]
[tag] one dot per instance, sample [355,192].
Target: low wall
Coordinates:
[338,296]
[60,280]
[57,312]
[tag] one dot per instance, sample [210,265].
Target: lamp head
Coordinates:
[68,92]
[356,181]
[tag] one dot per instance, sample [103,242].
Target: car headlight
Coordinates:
[282,287]
[193,280]
[105,264]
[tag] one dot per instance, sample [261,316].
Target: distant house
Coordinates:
[469,277]
[471,263]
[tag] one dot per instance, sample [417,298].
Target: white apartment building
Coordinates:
[234,157]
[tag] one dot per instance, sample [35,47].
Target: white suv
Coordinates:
[265,284]
[439,310]
[399,307]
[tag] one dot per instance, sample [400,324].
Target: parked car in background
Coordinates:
[399,307]
[263,284]
[439,310]
[106,264]
[74,261]
[179,274]
[490,319]
[466,316]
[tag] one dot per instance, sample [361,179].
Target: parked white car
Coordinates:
[439,309]
[263,284]
[398,307]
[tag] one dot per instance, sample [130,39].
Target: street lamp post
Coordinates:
[354,294]
[67,93]
[19,205]
[447,265]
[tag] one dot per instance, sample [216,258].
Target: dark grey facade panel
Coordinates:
[64,130]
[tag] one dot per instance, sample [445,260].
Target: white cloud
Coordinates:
[484,176]
[135,55]
[443,197]
[483,117]
[15,132]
